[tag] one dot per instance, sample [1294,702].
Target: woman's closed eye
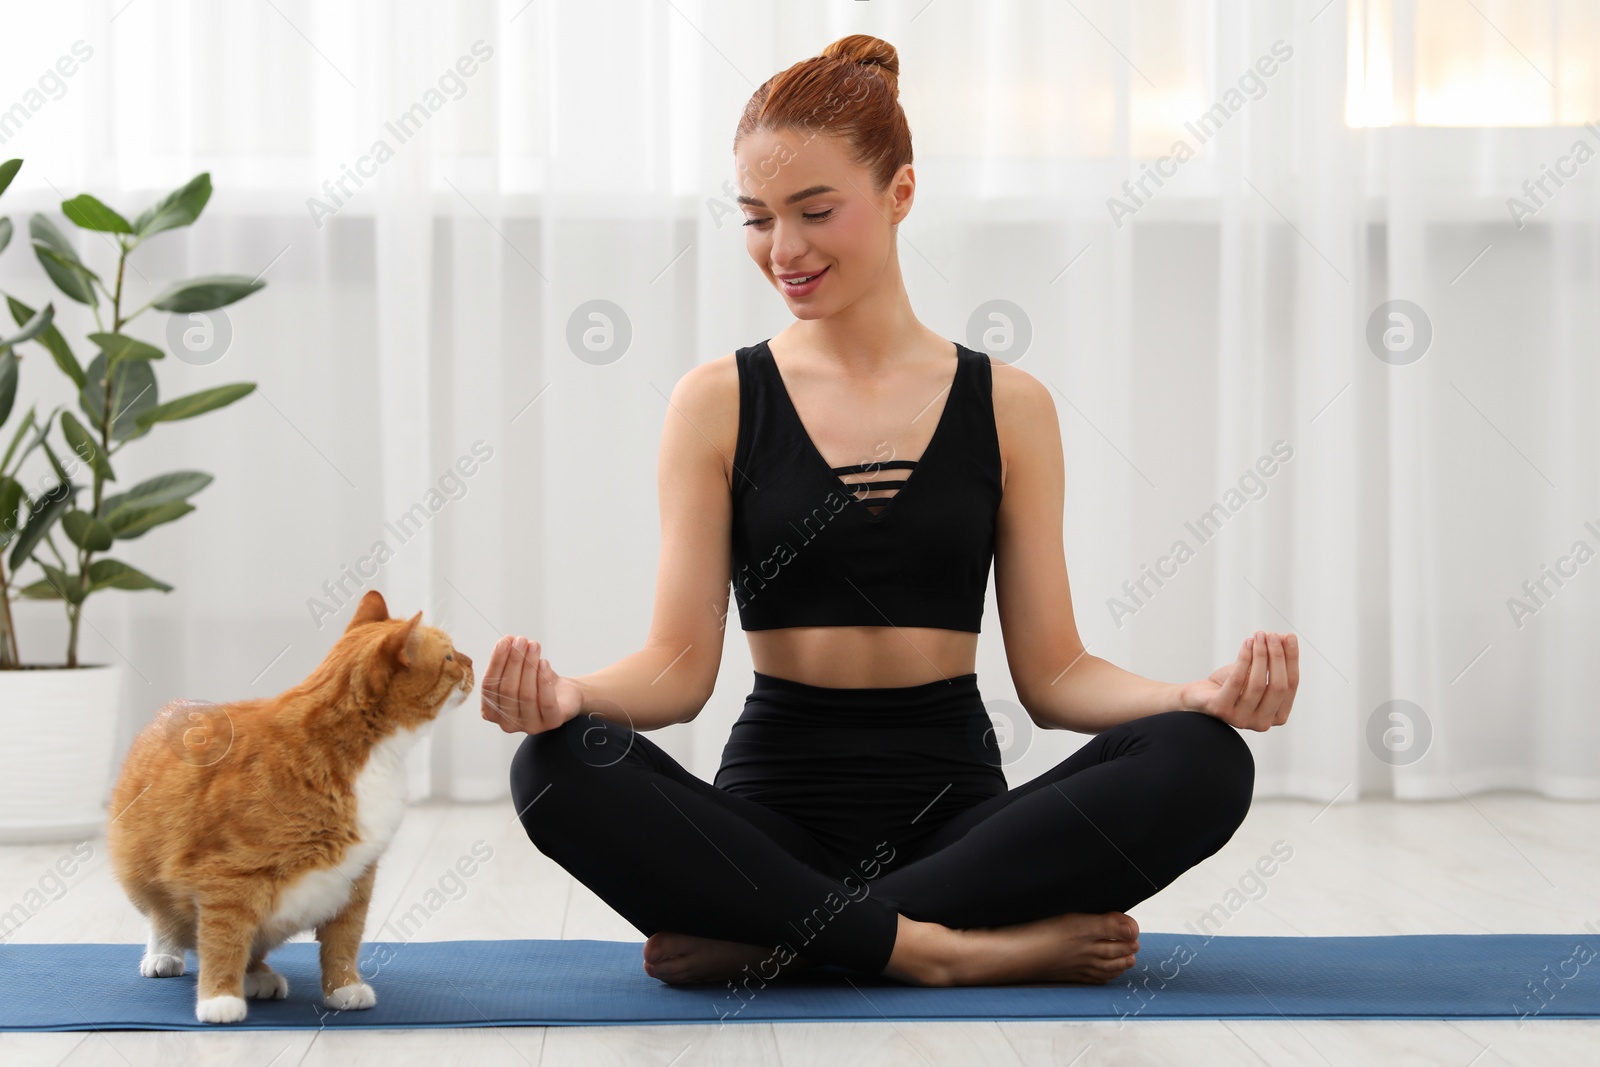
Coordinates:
[811,218]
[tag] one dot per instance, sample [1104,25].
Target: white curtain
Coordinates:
[1204,330]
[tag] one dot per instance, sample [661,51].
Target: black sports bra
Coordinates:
[811,549]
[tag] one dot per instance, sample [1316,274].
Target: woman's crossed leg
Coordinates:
[1030,885]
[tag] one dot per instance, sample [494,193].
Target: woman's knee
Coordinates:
[582,741]
[1206,759]
[532,772]
[571,760]
[545,760]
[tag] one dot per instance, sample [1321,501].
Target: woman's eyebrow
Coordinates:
[792,198]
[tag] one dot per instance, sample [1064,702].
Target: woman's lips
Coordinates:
[802,290]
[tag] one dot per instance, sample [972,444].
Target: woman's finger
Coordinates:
[1250,699]
[1291,658]
[511,680]
[545,676]
[1290,674]
[1277,682]
[527,693]
[493,679]
[1228,694]
[549,713]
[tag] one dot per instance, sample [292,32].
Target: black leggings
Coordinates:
[836,809]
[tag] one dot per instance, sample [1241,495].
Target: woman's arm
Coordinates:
[671,677]
[1060,684]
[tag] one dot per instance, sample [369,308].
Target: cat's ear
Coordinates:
[371,609]
[399,643]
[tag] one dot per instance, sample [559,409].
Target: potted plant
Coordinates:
[60,719]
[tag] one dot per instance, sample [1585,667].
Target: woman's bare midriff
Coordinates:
[863,657]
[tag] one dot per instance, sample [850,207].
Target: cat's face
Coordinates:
[417,667]
[438,674]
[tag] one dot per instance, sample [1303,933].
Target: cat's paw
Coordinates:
[265,984]
[222,1009]
[351,997]
[161,965]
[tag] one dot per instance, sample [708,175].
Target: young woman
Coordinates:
[853,476]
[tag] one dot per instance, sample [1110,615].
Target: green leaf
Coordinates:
[114,574]
[43,513]
[42,230]
[177,485]
[86,531]
[10,507]
[130,522]
[8,382]
[40,590]
[180,208]
[91,214]
[8,170]
[41,439]
[61,263]
[187,407]
[119,346]
[133,392]
[5,233]
[55,464]
[52,340]
[206,293]
[67,586]
[16,439]
[35,325]
[84,444]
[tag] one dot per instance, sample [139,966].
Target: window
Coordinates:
[1473,63]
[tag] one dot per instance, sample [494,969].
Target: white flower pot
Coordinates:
[58,729]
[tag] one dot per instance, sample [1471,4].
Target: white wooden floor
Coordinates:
[1501,863]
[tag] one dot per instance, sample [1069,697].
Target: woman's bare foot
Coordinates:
[1075,947]
[679,959]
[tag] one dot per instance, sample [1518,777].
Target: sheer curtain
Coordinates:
[496,234]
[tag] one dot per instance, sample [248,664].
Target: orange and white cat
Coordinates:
[236,826]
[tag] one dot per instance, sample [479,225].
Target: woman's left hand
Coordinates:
[1256,690]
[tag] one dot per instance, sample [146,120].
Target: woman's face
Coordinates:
[834,229]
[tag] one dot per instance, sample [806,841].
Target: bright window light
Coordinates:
[1473,63]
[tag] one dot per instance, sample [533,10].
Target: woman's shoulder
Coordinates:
[1024,412]
[710,385]
[707,398]
[1017,394]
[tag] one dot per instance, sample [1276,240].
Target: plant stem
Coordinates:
[59,557]
[72,616]
[116,301]
[75,611]
[11,656]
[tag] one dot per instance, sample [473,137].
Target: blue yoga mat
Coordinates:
[562,983]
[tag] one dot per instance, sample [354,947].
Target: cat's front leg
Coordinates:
[262,982]
[163,954]
[340,940]
[227,929]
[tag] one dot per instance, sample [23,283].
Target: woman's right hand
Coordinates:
[522,693]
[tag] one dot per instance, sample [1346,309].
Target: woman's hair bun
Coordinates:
[870,51]
[829,94]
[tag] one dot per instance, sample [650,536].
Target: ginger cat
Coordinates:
[242,824]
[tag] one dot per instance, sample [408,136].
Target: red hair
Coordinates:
[851,90]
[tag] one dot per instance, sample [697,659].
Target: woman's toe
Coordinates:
[663,946]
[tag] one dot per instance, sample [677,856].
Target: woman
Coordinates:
[860,816]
